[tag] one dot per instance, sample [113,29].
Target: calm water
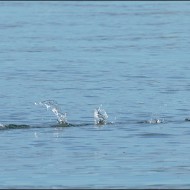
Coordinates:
[131,57]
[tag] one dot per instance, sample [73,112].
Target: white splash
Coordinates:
[2,126]
[100,116]
[155,121]
[51,104]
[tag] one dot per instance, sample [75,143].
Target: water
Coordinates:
[130,57]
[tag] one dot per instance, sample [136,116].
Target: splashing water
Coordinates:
[1,125]
[100,116]
[154,121]
[51,104]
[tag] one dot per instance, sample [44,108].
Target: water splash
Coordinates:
[51,104]
[100,116]
[153,121]
[2,126]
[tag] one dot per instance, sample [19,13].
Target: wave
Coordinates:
[14,126]
[24,126]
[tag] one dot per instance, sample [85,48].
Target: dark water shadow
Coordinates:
[14,126]
[155,135]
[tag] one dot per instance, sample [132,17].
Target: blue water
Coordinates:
[130,57]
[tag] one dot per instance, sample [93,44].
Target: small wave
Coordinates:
[154,135]
[13,126]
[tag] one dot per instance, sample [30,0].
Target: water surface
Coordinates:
[130,57]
